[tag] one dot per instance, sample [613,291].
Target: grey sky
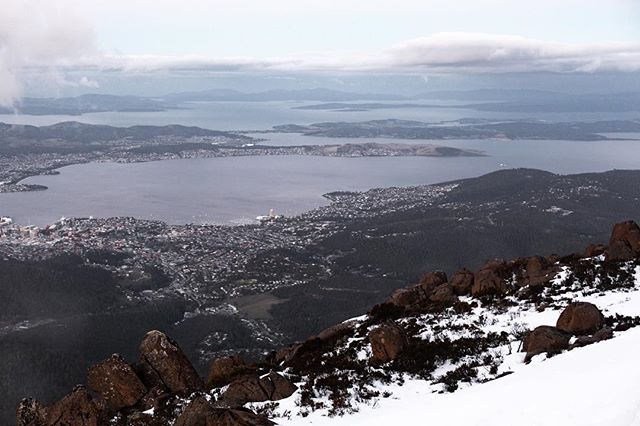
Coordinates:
[400,36]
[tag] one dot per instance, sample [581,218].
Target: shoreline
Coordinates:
[249,150]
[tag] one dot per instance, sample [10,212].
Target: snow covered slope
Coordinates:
[594,385]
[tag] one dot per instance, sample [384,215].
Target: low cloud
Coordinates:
[471,52]
[37,33]
[59,41]
[461,53]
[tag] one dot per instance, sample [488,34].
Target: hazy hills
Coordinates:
[481,100]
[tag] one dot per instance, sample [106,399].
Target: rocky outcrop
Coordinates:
[538,271]
[387,342]
[313,345]
[224,370]
[433,291]
[624,243]
[271,387]
[593,250]
[489,281]
[76,409]
[116,382]
[604,333]
[163,356]
[201,413]
[580,318]
[461,282]
[443,295]
[30,413]
[545,339]
[162,380]
[336,331]
[432,280]
[410,333]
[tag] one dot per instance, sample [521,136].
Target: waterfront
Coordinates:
[235,190]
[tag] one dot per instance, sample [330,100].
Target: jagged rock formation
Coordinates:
[163,362]
[223,370]
[199,412]
[445,331]
[116,382]
[161,388]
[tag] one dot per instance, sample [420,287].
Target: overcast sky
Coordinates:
[285,27]
[425,36]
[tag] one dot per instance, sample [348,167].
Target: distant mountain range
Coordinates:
[85,104]
[318,94]
[482,100]
[75,132]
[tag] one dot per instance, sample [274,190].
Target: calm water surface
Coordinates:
[265,115]
[235,190]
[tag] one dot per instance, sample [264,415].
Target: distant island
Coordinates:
[527,101]
[467,129]
[532,101]
[84,104]
[92,103]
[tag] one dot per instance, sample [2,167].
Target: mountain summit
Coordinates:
[442,347]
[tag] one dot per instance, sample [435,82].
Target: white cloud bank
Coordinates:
[46,36]
[470,52]
[439,53]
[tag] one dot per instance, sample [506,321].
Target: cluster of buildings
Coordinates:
[212,261]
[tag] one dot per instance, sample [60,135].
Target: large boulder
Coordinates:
[432,280]
[443,295]
[538,271]
[581,318]
[625,242]
[162,356]
[419,295]
[387,342]
[489,280]
[224,370]
[409,297]
[335,332]
[200,413]
[604,333]
[461,282]
[76,409]
[545,339]
[30,413]
[116,382]
[288,353]
[594,250]
[271,387]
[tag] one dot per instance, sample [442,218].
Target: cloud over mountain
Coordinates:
[473,52]
[46,37]
[439,53]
